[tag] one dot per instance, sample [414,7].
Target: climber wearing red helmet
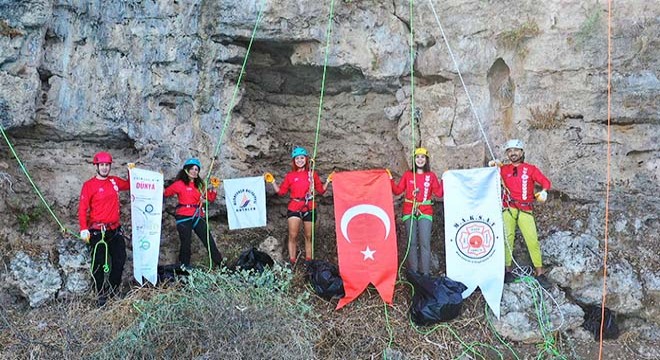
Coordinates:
[98,216]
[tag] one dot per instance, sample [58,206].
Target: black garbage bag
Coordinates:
[172,272]
[592,318]
[435,299]
[325,280]
[253,259]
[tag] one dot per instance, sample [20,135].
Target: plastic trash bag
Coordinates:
[253,259]
[592,318]
[172,272]
[435,299]
[325,280]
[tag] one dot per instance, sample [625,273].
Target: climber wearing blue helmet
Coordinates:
[302,207]
[192,161]
[192,192]
[298,151]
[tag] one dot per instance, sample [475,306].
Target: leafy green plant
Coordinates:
[26,219]
[220,315]
[588,30]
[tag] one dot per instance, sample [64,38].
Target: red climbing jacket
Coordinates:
[99,203]
[428,185]
[189,198]
[298,182]
[520,180]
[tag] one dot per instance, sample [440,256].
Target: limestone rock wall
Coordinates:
[152,82]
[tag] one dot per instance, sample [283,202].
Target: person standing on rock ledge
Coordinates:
[302,207]
[192,193]
[420,185]
[519,179]
[98,215]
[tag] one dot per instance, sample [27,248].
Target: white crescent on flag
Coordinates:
[364,209]
[366,236]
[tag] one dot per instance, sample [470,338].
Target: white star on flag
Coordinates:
[368,253]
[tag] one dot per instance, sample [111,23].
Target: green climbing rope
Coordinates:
[232,102]
[328,36]
[34,186]
[106,265]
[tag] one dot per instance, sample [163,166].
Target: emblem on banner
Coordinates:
[244,200]
[145,244]
[475,239]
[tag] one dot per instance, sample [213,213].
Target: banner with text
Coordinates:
[474,232]
[246,202]
[146,215]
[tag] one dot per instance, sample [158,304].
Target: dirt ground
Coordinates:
[364,329]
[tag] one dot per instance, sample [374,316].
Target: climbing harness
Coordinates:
[196,217]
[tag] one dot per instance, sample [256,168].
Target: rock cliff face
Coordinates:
[153,82]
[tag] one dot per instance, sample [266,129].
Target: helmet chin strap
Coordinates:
[520,160]
[98,172]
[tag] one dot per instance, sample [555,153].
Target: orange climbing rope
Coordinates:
[607,180]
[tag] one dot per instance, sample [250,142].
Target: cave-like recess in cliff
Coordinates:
[284,98]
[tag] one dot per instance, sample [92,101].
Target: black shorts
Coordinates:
[304,215]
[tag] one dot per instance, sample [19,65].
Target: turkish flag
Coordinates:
[366,233]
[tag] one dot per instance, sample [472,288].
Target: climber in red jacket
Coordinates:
[302,207]
[192,192]
[518,198]
[420,185]
[98,215]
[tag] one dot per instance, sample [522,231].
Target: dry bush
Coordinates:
[246,316]
[515,39]
[219,316]
[213,316]
[7,30]
[546,117]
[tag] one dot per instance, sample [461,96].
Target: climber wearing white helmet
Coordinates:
[519,179]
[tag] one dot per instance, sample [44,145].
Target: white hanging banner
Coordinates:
[246,202]
[474,232]
[146,215]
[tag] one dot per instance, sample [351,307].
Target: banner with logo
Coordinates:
[246,202]
[366,233]
[146,215]
[474,232]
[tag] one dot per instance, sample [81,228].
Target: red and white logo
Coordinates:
[475,240]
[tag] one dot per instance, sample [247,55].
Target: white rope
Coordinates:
[458,70]
[519,270]
[522,271]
